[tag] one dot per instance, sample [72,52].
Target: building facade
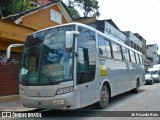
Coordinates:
[133,41]
[15,28]
[143,41]
[152,54]
[108,27]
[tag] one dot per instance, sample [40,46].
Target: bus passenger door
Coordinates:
[86,66]
[85,78]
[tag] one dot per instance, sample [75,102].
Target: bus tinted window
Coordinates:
[117,51]
[125,54]
[104,47]
[83,60]
[86,64]
[137,58]
[133,59]
[140,59]
[108,49]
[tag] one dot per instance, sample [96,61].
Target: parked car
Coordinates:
[155,72]
[156,66]
[149,79]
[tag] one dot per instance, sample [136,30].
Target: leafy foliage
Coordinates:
[14,6]
[73,12]
[3,6]
[90,7]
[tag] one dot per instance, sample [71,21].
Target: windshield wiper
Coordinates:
[51,82]
[25,81]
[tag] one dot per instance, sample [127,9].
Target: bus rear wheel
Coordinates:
[104,98]
[136,90]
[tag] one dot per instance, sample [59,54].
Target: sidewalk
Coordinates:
[12,103]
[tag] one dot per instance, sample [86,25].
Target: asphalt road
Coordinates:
[128,106]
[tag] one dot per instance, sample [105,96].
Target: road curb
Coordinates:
[9,98]
[19,108]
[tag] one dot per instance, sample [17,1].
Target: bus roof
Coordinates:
[93,29]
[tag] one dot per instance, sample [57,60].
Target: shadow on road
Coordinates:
[91,111]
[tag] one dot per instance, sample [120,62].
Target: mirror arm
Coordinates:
[76,54]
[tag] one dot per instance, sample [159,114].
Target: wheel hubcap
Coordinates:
[104,95]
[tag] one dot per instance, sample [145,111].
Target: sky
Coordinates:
[137,16]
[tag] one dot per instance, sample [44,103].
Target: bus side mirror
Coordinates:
[69,39]
[8,52]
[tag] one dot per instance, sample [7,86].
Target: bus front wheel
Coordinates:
[104,97]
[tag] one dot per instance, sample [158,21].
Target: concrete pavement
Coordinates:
[12,103]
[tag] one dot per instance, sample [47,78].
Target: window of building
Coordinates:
[56,16]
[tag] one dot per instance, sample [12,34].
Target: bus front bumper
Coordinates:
[64,101]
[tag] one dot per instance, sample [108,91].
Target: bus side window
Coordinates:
[108,48]
[137,59]
[132,57]
[125,54]
[101,45]
[100,52]
[87,50]
[104,47]
[142,60]
[83,60]
[140,57]
[117,51]
[82,66]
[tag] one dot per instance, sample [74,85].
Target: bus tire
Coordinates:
[104,97]
[136,90]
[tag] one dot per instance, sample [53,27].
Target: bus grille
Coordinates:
[39,93]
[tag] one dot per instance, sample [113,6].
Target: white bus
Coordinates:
[73,65]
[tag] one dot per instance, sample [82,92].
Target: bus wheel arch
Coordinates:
[109,88]
[136,90]
[104,96]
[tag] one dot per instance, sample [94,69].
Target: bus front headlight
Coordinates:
[65,90]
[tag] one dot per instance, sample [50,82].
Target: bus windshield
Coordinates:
[45,60]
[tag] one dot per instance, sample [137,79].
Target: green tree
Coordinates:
[27,5]
[90,7]
[73,12]
[3,7]
[15,6]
